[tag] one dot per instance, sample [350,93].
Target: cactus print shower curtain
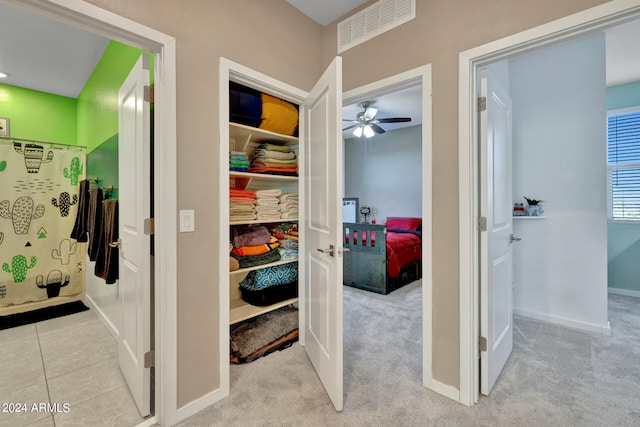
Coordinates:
[38,206]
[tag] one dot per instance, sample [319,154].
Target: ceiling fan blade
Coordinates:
[370,113]
[350,127]
[395,120]
[376,128]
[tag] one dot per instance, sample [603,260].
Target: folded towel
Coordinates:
[267,201]
[275,147]
[264,164]
[280,161]
[268,215]
[291,197]
[287,215]
[289,244]
[268,193]
[239,192]
[288,207]
[260,152]
[245,216]
[241,201]
[288,254]
[241,208]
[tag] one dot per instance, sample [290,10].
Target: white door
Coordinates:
[496,284]
[322,229]
[134,207]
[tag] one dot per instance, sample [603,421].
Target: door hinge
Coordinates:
[150,359]
[482,223]
[149,226]
[482,103]
[482,343]
[148,93]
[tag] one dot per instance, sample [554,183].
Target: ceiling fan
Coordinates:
[366,123]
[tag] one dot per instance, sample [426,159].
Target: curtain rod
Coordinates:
[7,138]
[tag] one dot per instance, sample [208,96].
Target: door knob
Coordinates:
[326,251]
[513,238]
[115,244]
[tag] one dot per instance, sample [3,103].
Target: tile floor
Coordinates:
[71,362]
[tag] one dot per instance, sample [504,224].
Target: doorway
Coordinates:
[589,22]
[97,20]
[417,77]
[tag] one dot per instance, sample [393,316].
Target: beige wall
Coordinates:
[267,35]
[441,30]
[274,38]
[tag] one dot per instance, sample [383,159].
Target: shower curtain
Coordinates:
[38,206]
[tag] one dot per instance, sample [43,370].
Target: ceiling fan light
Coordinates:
[357,132]
[368,132]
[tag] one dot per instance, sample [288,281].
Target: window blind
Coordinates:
[623,166]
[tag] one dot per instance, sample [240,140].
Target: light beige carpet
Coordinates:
[555,376]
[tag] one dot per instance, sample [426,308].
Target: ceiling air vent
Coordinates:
[374,20]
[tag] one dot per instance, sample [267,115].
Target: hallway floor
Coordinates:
[70,363]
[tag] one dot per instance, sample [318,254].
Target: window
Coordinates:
[623,165]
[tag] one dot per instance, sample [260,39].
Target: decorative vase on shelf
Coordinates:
[533,208]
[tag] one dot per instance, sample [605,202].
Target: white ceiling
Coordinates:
[325,11]
[45,55]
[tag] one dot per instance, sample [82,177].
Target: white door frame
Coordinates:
[571,27]
[91,18]
[422,76]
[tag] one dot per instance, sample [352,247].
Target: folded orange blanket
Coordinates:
[256,250]
[239,192]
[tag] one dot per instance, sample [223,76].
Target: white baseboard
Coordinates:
[444,389]
[149,422]
[103,318]
[625,292]
[199,404]
[562,321]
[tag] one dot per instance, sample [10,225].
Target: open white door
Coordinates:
[322,229]
[496,283]
[134,206]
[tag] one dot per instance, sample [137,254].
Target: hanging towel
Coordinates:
[107,259]
[81,226]
[94,222]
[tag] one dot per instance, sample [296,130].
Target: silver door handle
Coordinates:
[326,251]
[513,238]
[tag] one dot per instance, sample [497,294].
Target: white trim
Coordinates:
[148,422]
[562,321]
[624,292]
[444,389]
[102,316]
[563,29]
[230,70]
[203,402]
[94,19]
[422,76]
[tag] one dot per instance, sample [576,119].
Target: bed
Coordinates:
[383,257]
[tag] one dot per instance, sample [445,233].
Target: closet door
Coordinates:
[322,228]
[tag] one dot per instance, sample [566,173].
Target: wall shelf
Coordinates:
[529,217]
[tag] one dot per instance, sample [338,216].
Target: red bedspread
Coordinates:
[402,248]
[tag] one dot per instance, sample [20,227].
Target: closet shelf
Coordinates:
[240,310]
[246,179]
[529,217]
[262,221]
[257,135]
[259,267]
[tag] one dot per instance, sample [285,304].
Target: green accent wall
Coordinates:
[38,115]
[623,247]
[98,100]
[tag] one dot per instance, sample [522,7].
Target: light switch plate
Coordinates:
[187,221]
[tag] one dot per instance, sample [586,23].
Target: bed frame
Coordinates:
[365,266]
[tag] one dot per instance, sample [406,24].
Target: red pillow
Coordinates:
[413,224]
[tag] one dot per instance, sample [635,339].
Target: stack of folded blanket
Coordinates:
[274,159]
[289,206]
[254,246]
[242,205]
[238,161]
[287,235]
[267,204]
